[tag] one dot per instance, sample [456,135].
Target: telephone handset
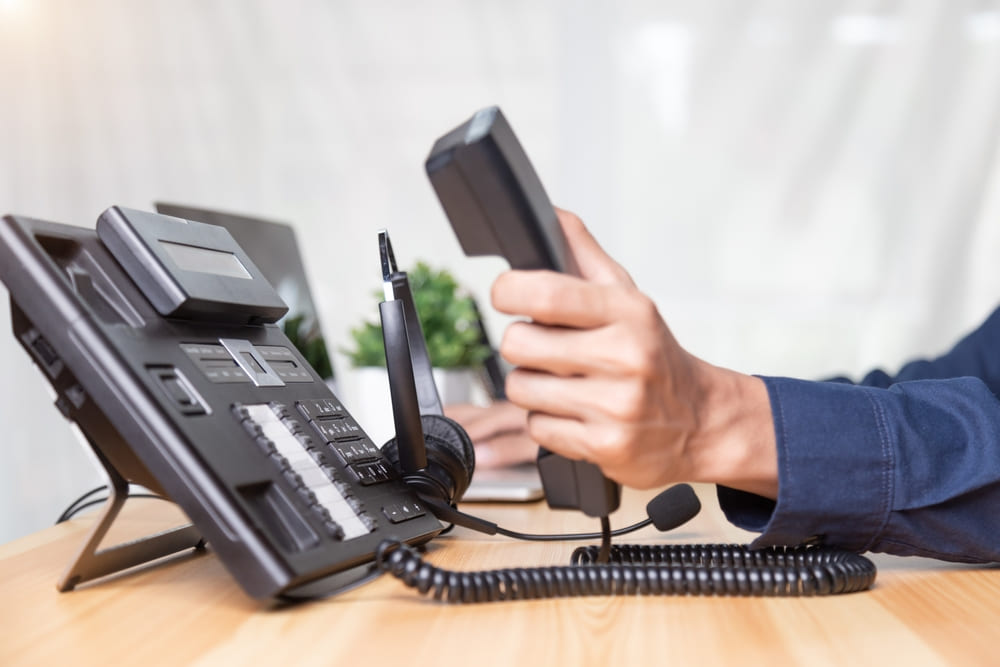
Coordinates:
[157,335]
[497,206]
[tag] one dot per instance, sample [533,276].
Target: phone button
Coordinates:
[176,386]
[402,511]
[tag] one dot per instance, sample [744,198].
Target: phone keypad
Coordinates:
[320,407]
[337,428]
[306,467]
[371,472]
[354,451]
[344,435]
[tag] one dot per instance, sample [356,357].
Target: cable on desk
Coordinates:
[694,569]
[562,537]
[603,553]
[86,500]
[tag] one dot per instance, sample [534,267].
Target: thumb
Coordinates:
[595,264]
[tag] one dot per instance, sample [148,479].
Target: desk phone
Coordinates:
[157,335]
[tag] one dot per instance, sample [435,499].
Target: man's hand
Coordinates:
[603,380]
[498,431]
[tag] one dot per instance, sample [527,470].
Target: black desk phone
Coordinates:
[157,335]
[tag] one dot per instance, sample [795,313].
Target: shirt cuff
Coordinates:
[834,468]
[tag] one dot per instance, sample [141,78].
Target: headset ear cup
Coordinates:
[449,446]
[390,450]
[451,458]
[451,432]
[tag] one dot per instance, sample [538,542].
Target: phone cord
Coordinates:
[682,569]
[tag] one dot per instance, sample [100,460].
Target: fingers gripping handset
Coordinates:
[497,206]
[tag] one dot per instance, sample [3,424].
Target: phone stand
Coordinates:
[92,562]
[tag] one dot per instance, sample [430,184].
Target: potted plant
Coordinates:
[451,327]
[307,339]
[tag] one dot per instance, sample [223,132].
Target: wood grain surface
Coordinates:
[188,610]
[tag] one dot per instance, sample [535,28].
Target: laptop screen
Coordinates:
[273,248]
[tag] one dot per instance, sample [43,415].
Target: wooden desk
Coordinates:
[188,610]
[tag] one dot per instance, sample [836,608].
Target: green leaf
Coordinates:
[308,341]
[447,317]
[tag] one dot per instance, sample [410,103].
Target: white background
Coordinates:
[805,188]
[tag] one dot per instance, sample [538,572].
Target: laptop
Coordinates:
[274,249]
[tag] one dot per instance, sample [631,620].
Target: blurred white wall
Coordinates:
[804,187]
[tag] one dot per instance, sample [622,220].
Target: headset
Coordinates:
[435,456]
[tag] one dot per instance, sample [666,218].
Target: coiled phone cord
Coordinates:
[689,569]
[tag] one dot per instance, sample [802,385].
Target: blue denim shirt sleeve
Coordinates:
[906,464]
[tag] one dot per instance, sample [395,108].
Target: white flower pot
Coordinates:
[456,385]
[365,393]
